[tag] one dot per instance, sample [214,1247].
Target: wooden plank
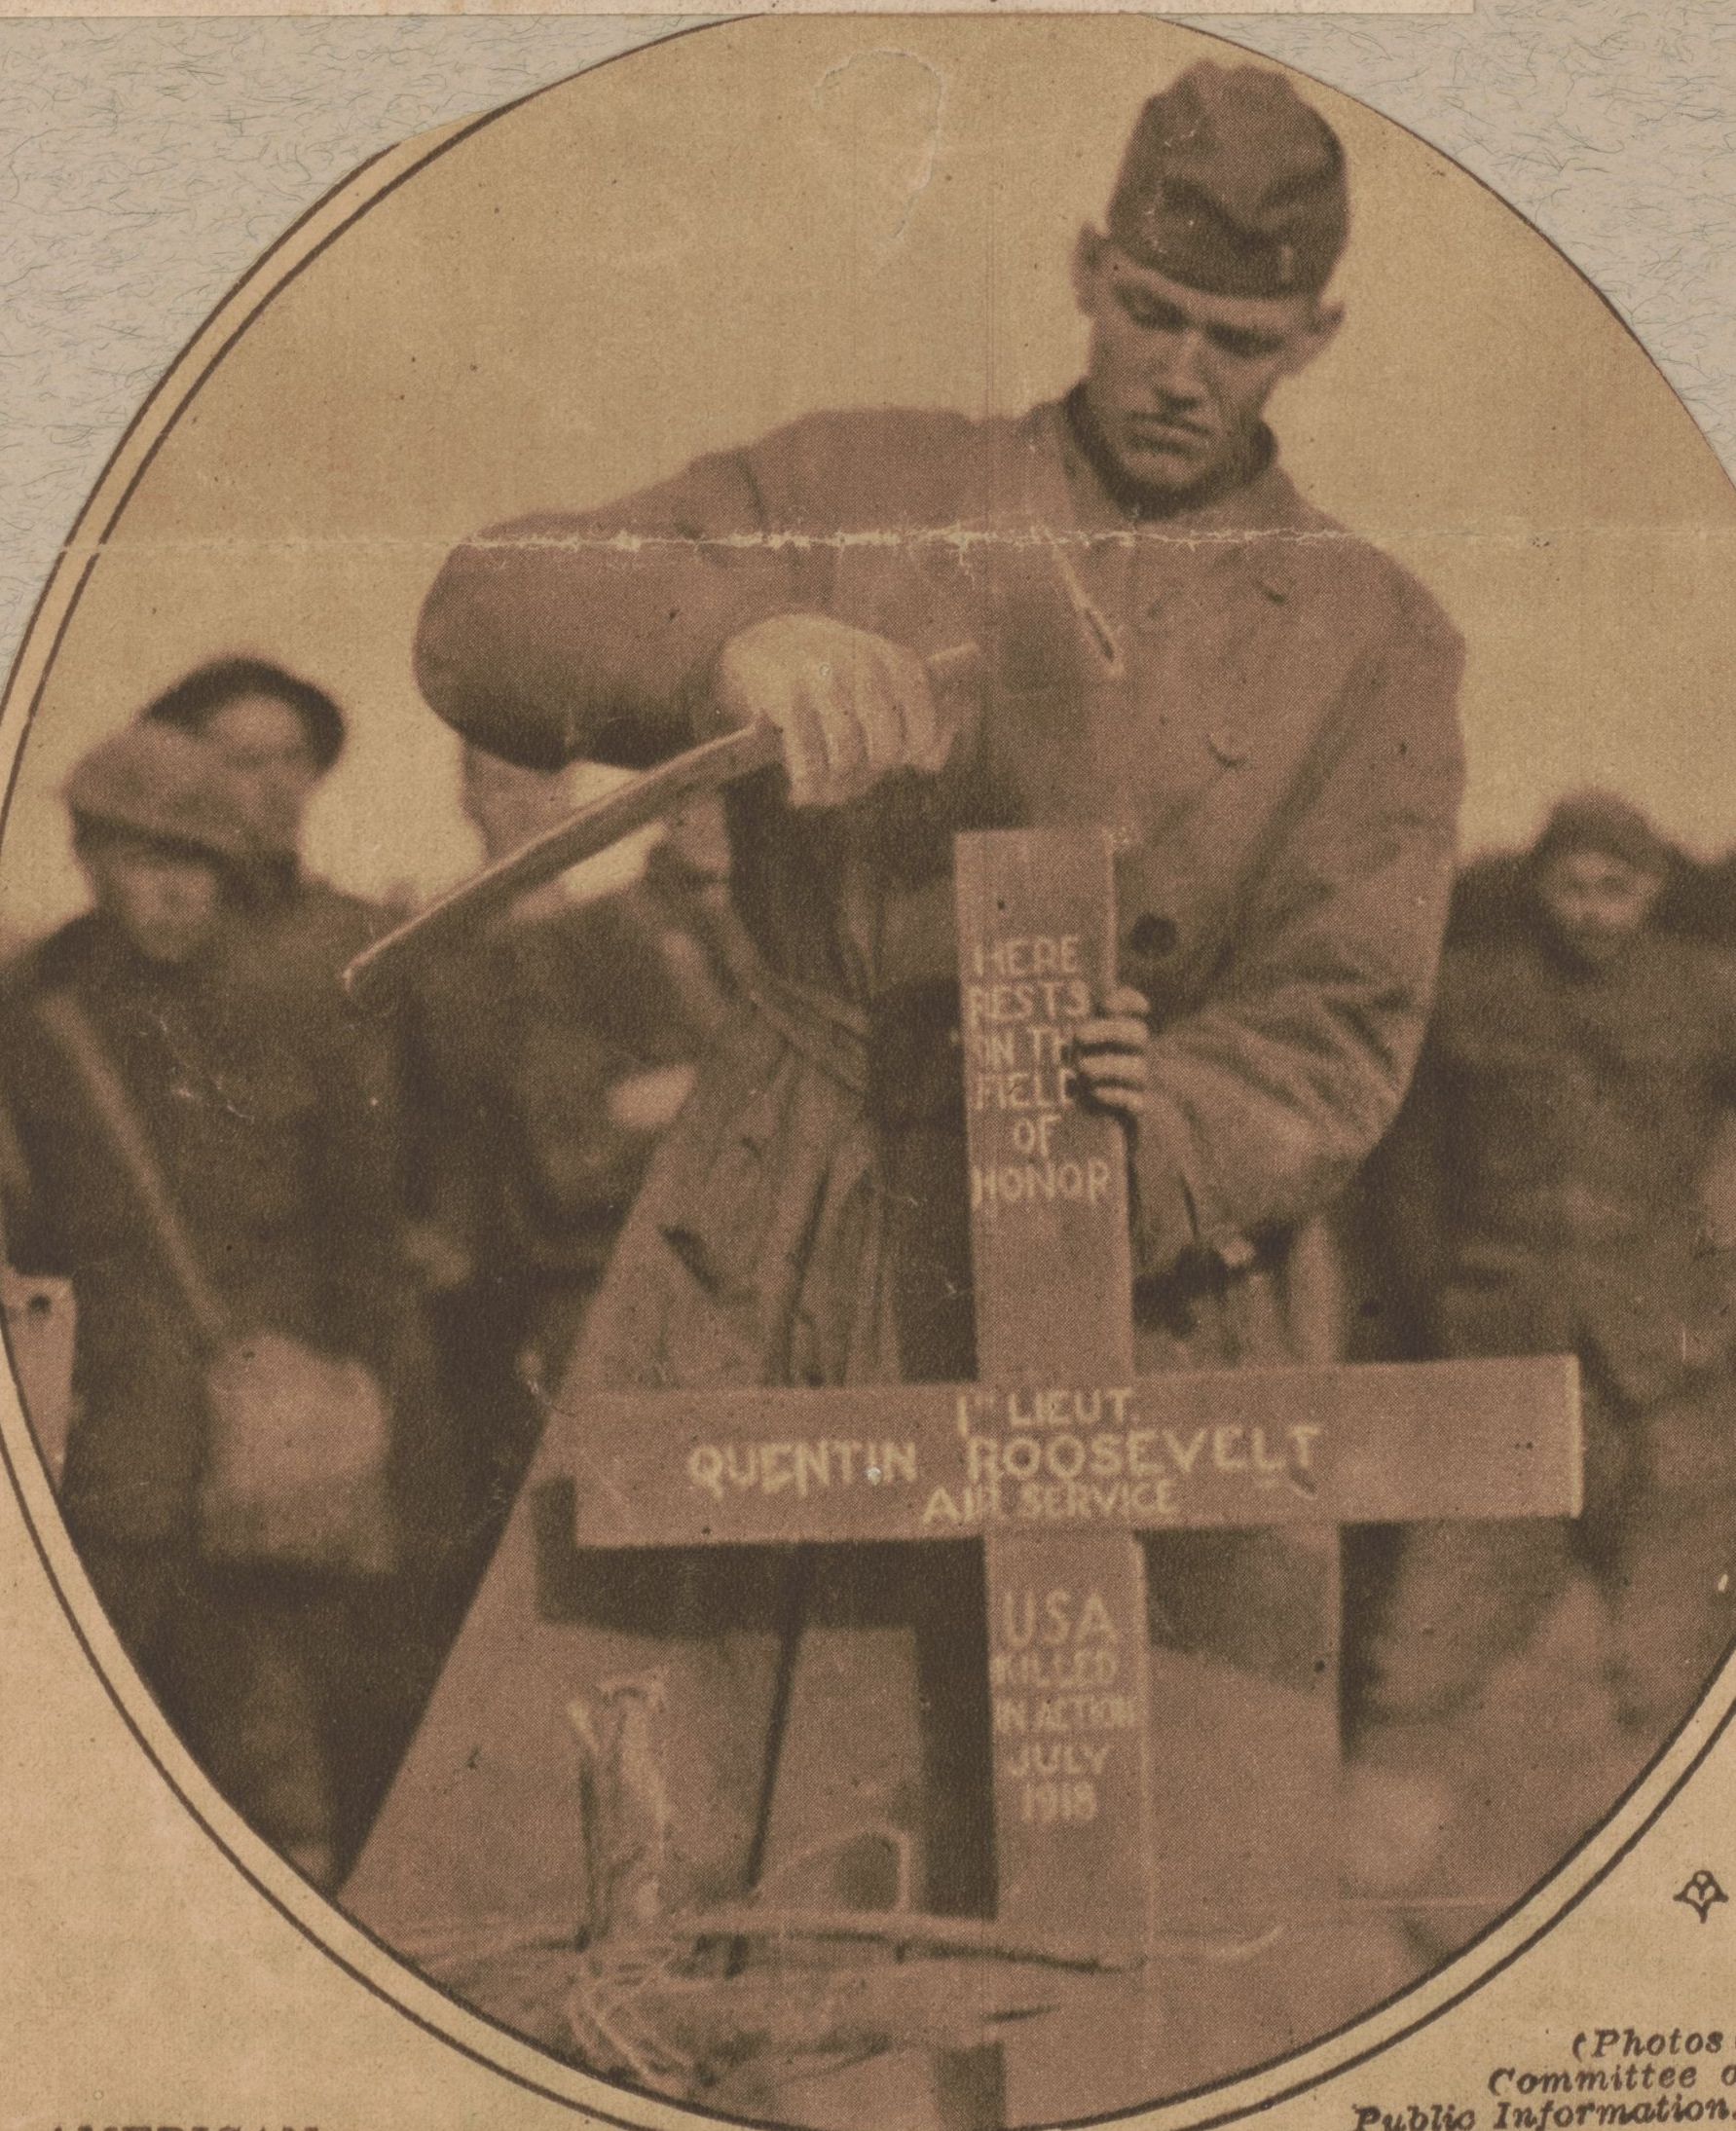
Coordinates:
[1368,1443]
[1052,1258]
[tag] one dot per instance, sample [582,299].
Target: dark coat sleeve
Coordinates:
[356,1208]
[1407,1190]
[1265,1103]
[593,634]
[563,635]
[34,1238]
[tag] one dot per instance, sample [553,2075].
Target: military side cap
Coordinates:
[159,782]
[1232,185]
[1597,821]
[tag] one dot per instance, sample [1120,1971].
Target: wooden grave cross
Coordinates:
[1059,1458]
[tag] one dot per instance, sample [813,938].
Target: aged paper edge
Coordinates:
[133,10]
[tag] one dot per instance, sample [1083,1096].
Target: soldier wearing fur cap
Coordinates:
[1172,642]
[1543,1192]
[259,1146]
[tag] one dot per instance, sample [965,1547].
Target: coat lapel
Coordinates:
[1165,639]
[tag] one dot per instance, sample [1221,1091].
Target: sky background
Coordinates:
[705,239]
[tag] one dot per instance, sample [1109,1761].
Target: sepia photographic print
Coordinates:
[868,1127]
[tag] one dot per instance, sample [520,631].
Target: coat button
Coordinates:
[1153,936]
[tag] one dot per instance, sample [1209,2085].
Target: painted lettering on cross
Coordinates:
[1049,1459]
[1079,1457]
[976,1458]
[1023,993]
[799,1468]
[1061,1729]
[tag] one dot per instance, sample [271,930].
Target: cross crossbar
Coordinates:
[1364,1443]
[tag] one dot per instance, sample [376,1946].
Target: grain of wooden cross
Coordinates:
[1058,1459]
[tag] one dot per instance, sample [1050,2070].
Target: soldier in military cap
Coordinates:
[261,1153]
[1147,628]
[1176,644]
[277,738]
[543,1060]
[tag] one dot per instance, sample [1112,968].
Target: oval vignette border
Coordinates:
[366,1960]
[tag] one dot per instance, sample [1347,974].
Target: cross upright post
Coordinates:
[1053,1281]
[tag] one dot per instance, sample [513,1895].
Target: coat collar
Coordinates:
[1251,544]
[1261,524]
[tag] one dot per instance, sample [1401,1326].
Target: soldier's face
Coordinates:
[1178,379]
[1595,902]
[168,901]
[268,765]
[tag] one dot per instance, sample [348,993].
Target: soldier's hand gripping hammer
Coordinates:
[837,720]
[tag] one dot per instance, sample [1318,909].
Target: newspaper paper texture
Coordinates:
[403,280]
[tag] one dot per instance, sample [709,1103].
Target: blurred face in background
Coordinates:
[166,899]
[269,766]
[506,805]
[1595,902]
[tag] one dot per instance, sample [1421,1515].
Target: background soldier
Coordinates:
[542,1062]
[277,738]
[1542,1192]
[262,1151]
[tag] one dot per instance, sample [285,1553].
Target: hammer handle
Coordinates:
[660,791]
[664,791]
